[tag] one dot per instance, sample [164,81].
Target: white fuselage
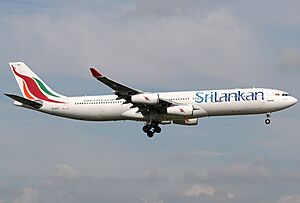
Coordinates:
[211,103]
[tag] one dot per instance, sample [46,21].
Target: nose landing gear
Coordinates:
[151,128]
[268,121]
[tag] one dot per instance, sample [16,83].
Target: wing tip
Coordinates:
[95,72]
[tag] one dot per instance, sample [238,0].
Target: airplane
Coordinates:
[154,109]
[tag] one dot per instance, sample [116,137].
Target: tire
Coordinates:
[150,134]
[157,129]
[267,121]
[146,128]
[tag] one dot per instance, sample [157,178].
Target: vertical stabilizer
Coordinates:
[31,86]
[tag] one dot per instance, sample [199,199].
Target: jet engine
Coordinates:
[150,99]
[192,121]
[186,110]
[183,110]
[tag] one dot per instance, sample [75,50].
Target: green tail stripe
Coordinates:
[42,86]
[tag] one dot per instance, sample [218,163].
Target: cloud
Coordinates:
[282,15]
[198,154]
[208,193]
[290,58]
[62,174]
[145,200]
[65,172]
[152,177]
[295,198]
[210,43]
[230,195]
[204,153]
[243,170]
[199,190]
[29,195]
[249,171]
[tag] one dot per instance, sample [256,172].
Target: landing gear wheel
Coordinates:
[157,129]
[151,128]
[150,134]
[267,121]
[146,128]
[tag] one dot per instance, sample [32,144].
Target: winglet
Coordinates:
[95,73]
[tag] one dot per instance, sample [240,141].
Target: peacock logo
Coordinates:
[34,88]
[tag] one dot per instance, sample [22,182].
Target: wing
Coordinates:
[125,92]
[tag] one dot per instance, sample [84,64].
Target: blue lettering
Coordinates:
[212,97]
[259,94]
[216,97]
[199,98]
[223,97]
[232,94]
[227,97]
[206,97]
[249,96]
[241,96]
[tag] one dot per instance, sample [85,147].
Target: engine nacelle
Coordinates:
[150,99]
[186,110]
[191,121]
[183,110]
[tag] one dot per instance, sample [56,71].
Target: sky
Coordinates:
[157,45]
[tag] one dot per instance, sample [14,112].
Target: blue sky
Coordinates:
[154,46]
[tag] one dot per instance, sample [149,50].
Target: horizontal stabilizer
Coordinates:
[33,104]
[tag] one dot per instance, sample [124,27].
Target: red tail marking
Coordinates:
[26,92]
[33,88]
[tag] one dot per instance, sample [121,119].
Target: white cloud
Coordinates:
[230,195]
[207,191]
[145,200]
[199,190]
[206,153]
[250,171]
[65,172]
[211,43]
[153,174]
[198,154]
[290,58]
[280,14]
[290,199]
[152,177]
[29,195]
[243,170]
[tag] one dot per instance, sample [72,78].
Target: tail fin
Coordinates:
[31,86]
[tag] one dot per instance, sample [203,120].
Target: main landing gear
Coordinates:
[268,121]
[151,128]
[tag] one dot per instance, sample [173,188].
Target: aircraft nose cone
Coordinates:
[294,100]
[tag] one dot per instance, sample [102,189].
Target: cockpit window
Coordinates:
[285,94]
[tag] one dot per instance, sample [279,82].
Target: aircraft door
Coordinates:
[66,104]
[269,98]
